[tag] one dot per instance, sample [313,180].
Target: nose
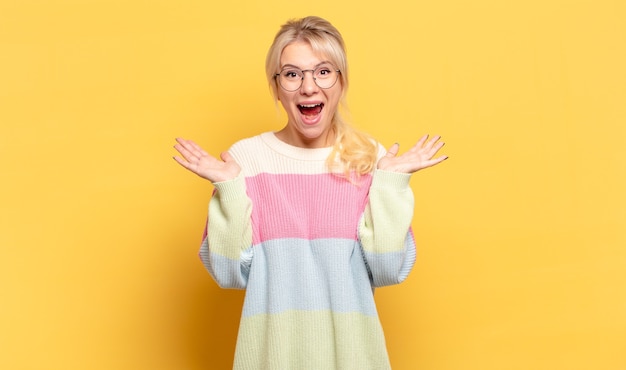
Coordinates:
[309,86]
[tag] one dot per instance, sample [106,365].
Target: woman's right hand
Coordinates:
[198,161]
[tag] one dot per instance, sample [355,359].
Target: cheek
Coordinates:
[282,97]
[285,103]
[337,94]
[336,97]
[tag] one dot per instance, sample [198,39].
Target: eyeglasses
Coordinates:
[291,78]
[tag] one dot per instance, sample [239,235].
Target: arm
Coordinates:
[385,229]
[226,249]
[226,246]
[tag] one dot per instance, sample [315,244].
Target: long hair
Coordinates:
[354,152]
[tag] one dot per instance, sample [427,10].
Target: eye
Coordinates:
[324,72]
[291,74]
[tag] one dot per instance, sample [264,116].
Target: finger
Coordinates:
[185,145]
[191,147]
[431,162]
[198,149]
[438,160]
[434,149]
[429,145]
[393,150]
[181,149]
[189,156]
[421,141]
[181,161]
[183,142]
[419,145]
[226,157]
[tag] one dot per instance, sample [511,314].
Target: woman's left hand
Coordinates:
[420,156]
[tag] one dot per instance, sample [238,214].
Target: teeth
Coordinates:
[309,105]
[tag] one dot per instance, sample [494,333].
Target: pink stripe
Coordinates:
[305,206]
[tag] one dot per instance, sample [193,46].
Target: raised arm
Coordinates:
[226,246]
[385,229]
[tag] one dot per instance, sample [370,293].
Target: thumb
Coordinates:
[393,150]
[226,157]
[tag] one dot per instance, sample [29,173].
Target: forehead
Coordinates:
[301,54]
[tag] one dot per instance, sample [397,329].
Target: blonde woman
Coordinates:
[311,218]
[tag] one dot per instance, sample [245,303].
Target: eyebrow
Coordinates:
[295,66]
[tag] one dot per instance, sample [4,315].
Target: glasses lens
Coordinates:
[326,76]
[290,79]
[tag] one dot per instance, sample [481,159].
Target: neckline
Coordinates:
[304,154]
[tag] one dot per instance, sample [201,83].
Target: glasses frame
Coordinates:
[277,77]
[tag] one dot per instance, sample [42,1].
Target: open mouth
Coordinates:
[310,109]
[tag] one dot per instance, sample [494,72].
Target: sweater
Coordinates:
[309,247]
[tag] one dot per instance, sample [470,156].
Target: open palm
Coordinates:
[198,161]
[420,156]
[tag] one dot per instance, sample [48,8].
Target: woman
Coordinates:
[309,219]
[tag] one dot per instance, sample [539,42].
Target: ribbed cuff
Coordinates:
[231,189]
[390,179]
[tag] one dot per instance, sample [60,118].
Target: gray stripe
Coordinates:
[227,273]
[392,267]
[298,274]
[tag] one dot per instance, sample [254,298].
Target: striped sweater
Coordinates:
[309,248]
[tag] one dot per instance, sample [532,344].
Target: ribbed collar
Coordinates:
[303,154]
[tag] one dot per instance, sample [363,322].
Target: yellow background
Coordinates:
[521,233]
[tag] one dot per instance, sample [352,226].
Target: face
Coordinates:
[309,109]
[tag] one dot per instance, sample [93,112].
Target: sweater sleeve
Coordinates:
[226,249]
[385,228]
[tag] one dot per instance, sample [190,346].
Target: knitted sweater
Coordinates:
[309,247]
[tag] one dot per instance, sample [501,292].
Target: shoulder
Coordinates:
[255,146]
[249,143]
[253,154]
[380,150]
[247,151]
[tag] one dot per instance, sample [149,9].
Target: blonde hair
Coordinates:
[354,152]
